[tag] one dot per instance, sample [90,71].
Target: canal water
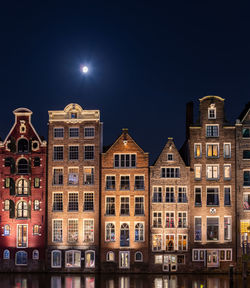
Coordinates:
[120,281]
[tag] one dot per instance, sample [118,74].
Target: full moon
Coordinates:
[85,69]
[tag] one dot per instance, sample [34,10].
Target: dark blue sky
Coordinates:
[146,59]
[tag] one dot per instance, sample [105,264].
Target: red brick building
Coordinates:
[23,197]
[124,207]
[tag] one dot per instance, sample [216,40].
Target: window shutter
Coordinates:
[12,187]
[12,166]
[12,209]
[29,211]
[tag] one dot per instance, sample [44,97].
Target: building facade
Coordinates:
[23,197]
[74,147]
[243,180]
[212,187]
[169,211]
[124,207]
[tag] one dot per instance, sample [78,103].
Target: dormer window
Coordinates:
[23,146]
[212,112]
[170,157]
[73,115]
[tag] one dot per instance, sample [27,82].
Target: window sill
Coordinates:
[54,211]
[109,215]
[213,205]
[197,205]
[140,214]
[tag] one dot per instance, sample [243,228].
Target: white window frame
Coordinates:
[74,137]
[87,251]
[165,222]
[230,171]
[165,242]
[106,223]
[200,187]
[214,241]
[162,224]
[196,166]
[6,258]
[162,235]
[182,218]
[138,252]
[86,145]
[143,223]
[16,258]
[52,234]
[58,160]
[218,150]
[60,252]
[72,250]
[88,137]
[27,236]
[54,132]
[139,196]
[198,217]
[33,252]
[230,151]
[198,260]
[110,252]
[120,253]
[195,145]
[73,145]
[213,125]
[172,157]
[110,196]
[208,111]
[218,171]
[93,231]
[182,234]
[231,227]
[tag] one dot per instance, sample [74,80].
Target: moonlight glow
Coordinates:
[85,69]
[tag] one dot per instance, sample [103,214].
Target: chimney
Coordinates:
[189,116]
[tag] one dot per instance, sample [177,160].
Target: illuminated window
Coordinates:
[157,194]
[170,242]
[57,230]
[212,196]
[72,230]
[139,182]
[246,132]
[227,228]
[23,146]
[73,132]
[158,259]
[58,132]
[6,254]
[227,150]
[6,230]
[139,232]
[110,256]
[23,187]
[197,172]
[227,171]
[73,115]
[35,255]
[89,132]
[227,196]
[197,229]
[88,230]
[156,242]
[36,182]
[124,235]
[89,152]
[170,220]
[90,259]
[88,175]
[124,183]
[73,176]
[22,209]
[157,220]
[58,153]
[110,182]
[110,206]
[124,259]
[170,194]
[21,258]
[110,232]
[124,160]
[88,201]
[212,130]
[182,242]
[197,196]
[197,150]
[57,201]
[182,195]
[139,205]
[212,150]
[22,235]
[170,172]
[124,206]
[36,229]
[182,219]
[138,257]
[23,166]
[212,228]
[180,259]
[56,258]
[73,201]
[73,153]
[212,172]
[72,259]
[57,176]
[6,205]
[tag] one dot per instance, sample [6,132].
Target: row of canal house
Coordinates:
[68,205]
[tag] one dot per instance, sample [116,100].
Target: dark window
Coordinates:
[246,132]
[23,146]
[139,182]
[170,194]
[197,196]
[227,196]
[124,235]
[246,177]
[23,166]
[246,154]
[36,161]
[21,258]
[212,196]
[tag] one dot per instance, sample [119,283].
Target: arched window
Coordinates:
[22,209]
[6,205]
[22,187]
[21,258]
[56,258]
[23,166]
[6,230]
[139,232]
[90,259]
[6,254]
[23,146]
[138,257]
[36,205]
[124,235]
[110,232]
[110,257]
[35,255]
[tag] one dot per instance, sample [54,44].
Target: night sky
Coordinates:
[146,60]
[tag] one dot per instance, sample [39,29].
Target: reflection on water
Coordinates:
[119,281]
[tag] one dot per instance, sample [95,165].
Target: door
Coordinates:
[212,258]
